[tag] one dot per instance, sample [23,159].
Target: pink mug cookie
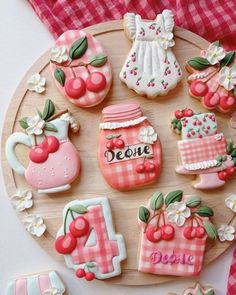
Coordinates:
[129,151]
[53,160]
[174,231]
[203,151]
[80,68]
[213,78]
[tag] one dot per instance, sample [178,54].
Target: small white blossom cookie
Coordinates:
[198,289]
[174,231]
[41,284]
[213,78]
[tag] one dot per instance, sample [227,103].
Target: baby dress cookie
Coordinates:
[198,289]
[174,231]
[203,151]
[151,68]
[80,68]
[53,160]
[129,150]
[40,284]
[88,241]
[213,78]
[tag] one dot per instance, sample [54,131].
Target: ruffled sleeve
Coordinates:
[168,20]
[130,25]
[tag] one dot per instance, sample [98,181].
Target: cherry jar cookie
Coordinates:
[129,151]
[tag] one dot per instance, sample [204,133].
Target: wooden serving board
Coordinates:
[91,183]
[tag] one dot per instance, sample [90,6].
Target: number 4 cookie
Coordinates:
[88,240]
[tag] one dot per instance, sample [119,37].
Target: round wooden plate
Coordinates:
[91,183]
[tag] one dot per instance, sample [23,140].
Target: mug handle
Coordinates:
[12,141]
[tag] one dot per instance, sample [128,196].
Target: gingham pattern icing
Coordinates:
[122,175]
[94,47]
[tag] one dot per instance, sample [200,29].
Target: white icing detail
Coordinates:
[214,54]
[227,78]
[219,136]
[36,125]
[36,83]
[177,213]
[201,165]
[67,117]
[168,20]
[166,40]
[22,199]
[200,75]
[56,282]
[54,189]
[59,54]
[92,240]
[130,24]
[230,202]
[147,135]
[52,291]
[34,225]
[116,125]
[226,233]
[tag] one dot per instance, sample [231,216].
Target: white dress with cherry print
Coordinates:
[151,67]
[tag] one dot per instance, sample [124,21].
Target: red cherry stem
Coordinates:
[159,212]
[212,74]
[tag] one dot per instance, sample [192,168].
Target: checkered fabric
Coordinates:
[231,287]
[122,175]
[174,254]
[211,19]
[94,47]
[200,150]
[104,251]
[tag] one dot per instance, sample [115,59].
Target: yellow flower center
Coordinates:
[178,212]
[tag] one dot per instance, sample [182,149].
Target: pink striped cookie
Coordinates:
[80,68]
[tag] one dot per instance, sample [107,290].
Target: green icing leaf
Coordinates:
[60,76]
[227,59]
[210,292]
[175,196]
[217,43]
[210,229]
[229,147]
[199,292]
[143,214]
[234,160]
[90,264]
[234,92]
[78,48]
[49,110]
[80,209]
[40,114]
[193,202]
[179,125]
[219,158]
[50,127]
[157,201]
[98,60]
[233,153]
[23,123]
[205,211]
[199,63]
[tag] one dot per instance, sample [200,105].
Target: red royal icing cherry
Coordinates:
[52,144]
[149,167]
[65,244]
[226,102]
[211,99]
[179,114]
[229,171]
[167,232]
[38,154]
[188,113]
[118,142]
[110,145]
[198,88]
[80,273]
[96,82]
[189,232]
[200,232]
[222,175]
[79,227]
[89,276]
[153,234]
[75,87]
[140,168]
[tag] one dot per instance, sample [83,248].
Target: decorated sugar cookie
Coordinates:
[53,160]
[213,78]
[129,151]
[88,241]
[174,231]
[203,150]
[40,284]
[81,68]
[198,289]
[151,68]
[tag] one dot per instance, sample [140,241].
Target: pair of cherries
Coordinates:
[81,273]
[165,232]
[179,114]
[65,244]
[115,143]
[191,232]
[40,153]
[76,87]
[145,167]
[223,175]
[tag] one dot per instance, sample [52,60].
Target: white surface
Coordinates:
[23,39]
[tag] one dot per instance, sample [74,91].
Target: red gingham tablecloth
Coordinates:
[211,19]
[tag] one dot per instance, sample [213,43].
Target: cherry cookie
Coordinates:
[53,160]
[174,231]
[81,69]
[88,241]
[213,78]
[203,151]
[129,151]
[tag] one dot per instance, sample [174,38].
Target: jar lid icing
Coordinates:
[121,112]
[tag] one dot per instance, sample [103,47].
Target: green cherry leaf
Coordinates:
[217,43]
[227,59]
[199,63]
[49,110]
[193,202]
[179,125]
[143,214]
[234,160]
[175,196]
[78,48]
[199,292]
[205,211]
[210,292]
[23,123]
[60,76]
[230,147]
[79,209]
[157,201]
[98,60]
[219,158]
[210,229]
[233,153]
[90,264]
[50,127]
